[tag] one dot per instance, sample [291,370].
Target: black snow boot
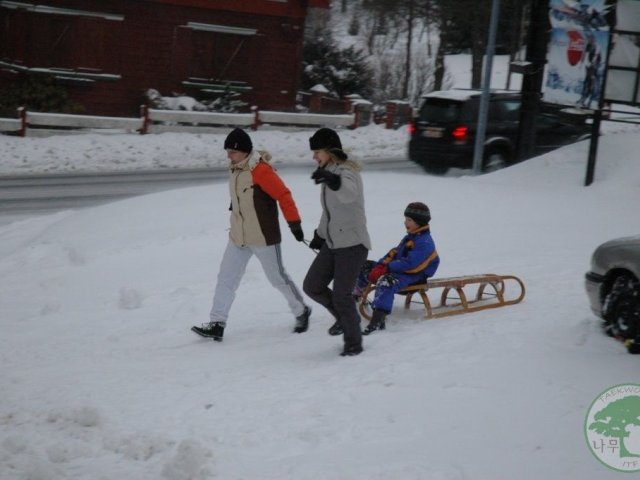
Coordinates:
[335,329]
[302,321]
[352,350]
[376,323]
[633,346]
[213,330]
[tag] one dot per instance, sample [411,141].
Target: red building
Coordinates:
[107,53]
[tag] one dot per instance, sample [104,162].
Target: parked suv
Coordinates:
[443,132]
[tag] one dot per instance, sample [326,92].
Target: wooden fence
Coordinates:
[158,121]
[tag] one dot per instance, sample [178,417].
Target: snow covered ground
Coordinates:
[96,152]
[100,377]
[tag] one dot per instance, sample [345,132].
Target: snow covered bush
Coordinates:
[227,102]
[37,93]
[177,102]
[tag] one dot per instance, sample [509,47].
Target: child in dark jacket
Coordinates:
[413,261]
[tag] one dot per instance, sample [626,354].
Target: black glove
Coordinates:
[332,180]
[296,229]
[317,242]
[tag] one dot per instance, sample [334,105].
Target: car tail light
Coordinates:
[460,134]
[411,127]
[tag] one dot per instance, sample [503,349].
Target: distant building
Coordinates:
[107,53]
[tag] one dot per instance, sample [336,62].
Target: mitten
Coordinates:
[332,180]
[296,229]
[317,242]
[377,271]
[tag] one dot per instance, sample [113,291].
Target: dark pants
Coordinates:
[342,266]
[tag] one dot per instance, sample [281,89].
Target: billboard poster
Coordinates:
[577,53]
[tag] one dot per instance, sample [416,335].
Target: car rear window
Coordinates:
[435,110]
[505,110]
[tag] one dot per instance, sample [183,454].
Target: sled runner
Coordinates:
[458,295]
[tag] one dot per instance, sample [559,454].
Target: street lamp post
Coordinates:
[478,150]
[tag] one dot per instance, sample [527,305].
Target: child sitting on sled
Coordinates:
[413,261]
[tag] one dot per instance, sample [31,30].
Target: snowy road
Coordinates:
[47,192]
[25,195]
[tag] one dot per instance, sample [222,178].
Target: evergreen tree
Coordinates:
[342,72]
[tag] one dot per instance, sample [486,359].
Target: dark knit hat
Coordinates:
[327,139]
[418,212]
[238,140]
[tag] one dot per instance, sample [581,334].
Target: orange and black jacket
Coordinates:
[256,190]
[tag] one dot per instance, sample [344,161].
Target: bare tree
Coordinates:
[467,22]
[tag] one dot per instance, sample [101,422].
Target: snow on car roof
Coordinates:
[460,95]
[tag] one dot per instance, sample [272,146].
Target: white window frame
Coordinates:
[210,27]
[58,11]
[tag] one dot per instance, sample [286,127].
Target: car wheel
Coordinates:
[621,311]
[494,160]
[435,169]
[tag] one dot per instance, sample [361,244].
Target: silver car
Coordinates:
[613,287]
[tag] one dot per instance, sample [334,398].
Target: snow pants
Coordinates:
[386,286]
[232,268]
[342,266]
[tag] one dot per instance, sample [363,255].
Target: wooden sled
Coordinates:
[487,290]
